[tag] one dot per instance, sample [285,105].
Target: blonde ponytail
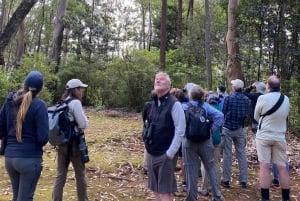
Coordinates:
[27,99]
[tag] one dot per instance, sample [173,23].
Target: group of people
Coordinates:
[167,115]
[24,124]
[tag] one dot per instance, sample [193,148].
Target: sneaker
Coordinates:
[203,192]
[218,198]
[225,184]
[275,183]
[243,184]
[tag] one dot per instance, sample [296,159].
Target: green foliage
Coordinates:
[291,89]
[35,62]
[5,85]
[134,82]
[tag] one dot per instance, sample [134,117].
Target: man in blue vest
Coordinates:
[167,123]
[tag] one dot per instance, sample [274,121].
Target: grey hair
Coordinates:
[165,75]
[196,93]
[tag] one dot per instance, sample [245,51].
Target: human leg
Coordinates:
[61,174]
[280,157]
[207,157]
[191,165]
[264,156]
[161,178]
[227,156]
[240,148]
[14,177]
[81,184]
[25,171]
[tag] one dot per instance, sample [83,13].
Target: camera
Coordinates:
[83,149]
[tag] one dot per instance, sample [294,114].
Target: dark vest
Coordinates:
[163,126]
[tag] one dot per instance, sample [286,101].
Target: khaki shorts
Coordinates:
[271,151]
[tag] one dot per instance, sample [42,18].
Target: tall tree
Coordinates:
[163,35]
[14,24]
[179,23]
[20,46]
[58,33]
[207,45]
[233,68]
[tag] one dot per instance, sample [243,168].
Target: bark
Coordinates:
[207,45]
[41,27]
[190,9]
[179,23]
[20,46]
[13,25]
[3,18]
[163,35]
[58,34]
[233,68]
[150,27]
[143,34]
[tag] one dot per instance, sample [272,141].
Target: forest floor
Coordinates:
[115,168]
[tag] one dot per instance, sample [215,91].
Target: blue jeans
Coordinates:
[24,174]
[275,170]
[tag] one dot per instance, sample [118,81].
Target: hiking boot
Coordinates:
[243,184]
[203,192]
[218,198]
[225,184]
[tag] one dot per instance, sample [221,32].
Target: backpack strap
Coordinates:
[273,109]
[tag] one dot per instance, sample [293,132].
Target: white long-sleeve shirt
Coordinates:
[76,113]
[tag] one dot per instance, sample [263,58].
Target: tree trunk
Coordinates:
[3,18]
[58,34]
[179,23]
[14,24]
[207,45]
[41,27]
[143,34]
[20,45]
[190,9]
[150,27]
[163,35]
[233,68]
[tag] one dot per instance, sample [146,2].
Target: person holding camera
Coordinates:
[75,150]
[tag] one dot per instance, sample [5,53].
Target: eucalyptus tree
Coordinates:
[13,24]
[57,37]
[207,45]
[163,35]
[233,69]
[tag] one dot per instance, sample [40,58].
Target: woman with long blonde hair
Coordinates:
[24,124]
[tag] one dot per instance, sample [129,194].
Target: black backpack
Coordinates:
[61,129]
[197,126]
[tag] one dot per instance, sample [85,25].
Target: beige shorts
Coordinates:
[270,151]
